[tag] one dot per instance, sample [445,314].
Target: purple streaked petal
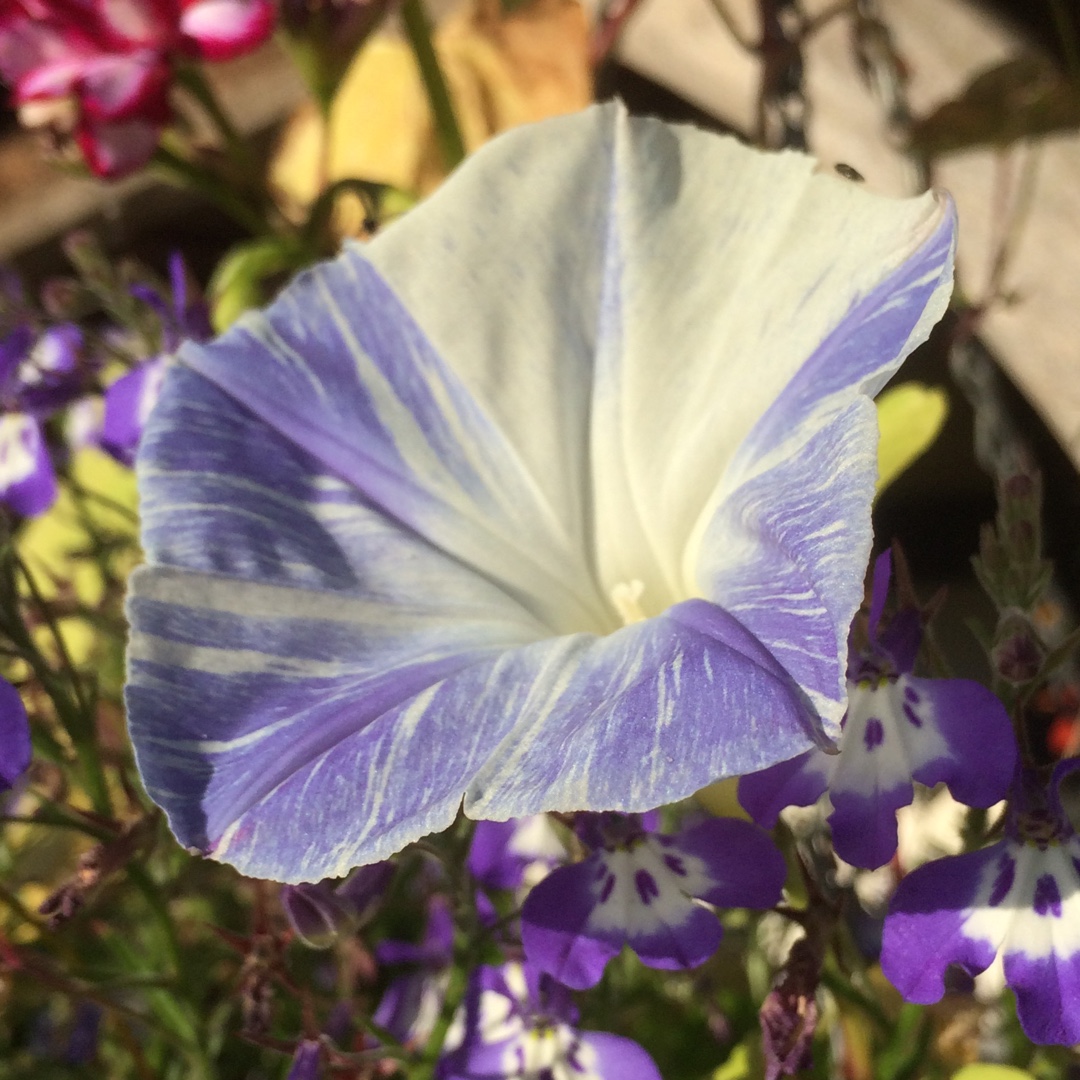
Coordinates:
[799,781]
[15,748]
[356,677]
[479,513]
[555,926]
[822,482]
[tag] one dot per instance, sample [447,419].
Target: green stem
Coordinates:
[187,174]
[141,879]
[418,31]
[841,987]
[1067,34]
[76,715]
[193,79]
[20,909]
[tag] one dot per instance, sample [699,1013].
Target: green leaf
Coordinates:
[243,278]
[1019,99]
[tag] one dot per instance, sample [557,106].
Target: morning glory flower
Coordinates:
[899,728]
[518,1025]
[1018,899]
[640,888]
[14,736]
[553,496]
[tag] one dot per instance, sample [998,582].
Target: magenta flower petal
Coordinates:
[222,29]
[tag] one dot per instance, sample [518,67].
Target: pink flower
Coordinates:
[99,71]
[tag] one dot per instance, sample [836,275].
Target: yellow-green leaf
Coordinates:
[984,1071]
[910,416]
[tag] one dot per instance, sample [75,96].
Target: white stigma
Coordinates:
[626,596]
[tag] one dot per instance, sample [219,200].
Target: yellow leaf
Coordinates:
[910,416]
[721,799]
[503,69]
[48,542]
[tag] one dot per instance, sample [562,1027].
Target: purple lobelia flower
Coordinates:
[1018,898]
[39,373]
[15,750]
[319,912]
[130,399]
[510,854]
[641,888]
[553,496]
[520,1025]
[410,1006]
[898,728]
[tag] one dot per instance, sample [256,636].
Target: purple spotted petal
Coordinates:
[442,524]
[14,736]
[409,1007]
[1019,898]
[930,730]
[741,861]
[641,895]
[926,928]
[799,781]
[1047,993]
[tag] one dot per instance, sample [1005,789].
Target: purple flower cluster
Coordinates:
[1018,900]
[517,1024]
[899,728]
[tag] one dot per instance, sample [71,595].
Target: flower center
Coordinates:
[626,597]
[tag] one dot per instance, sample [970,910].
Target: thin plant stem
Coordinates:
[192,78]
[1066,32]
[187,174]
[418,31]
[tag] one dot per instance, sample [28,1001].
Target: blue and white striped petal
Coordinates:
[554,496]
